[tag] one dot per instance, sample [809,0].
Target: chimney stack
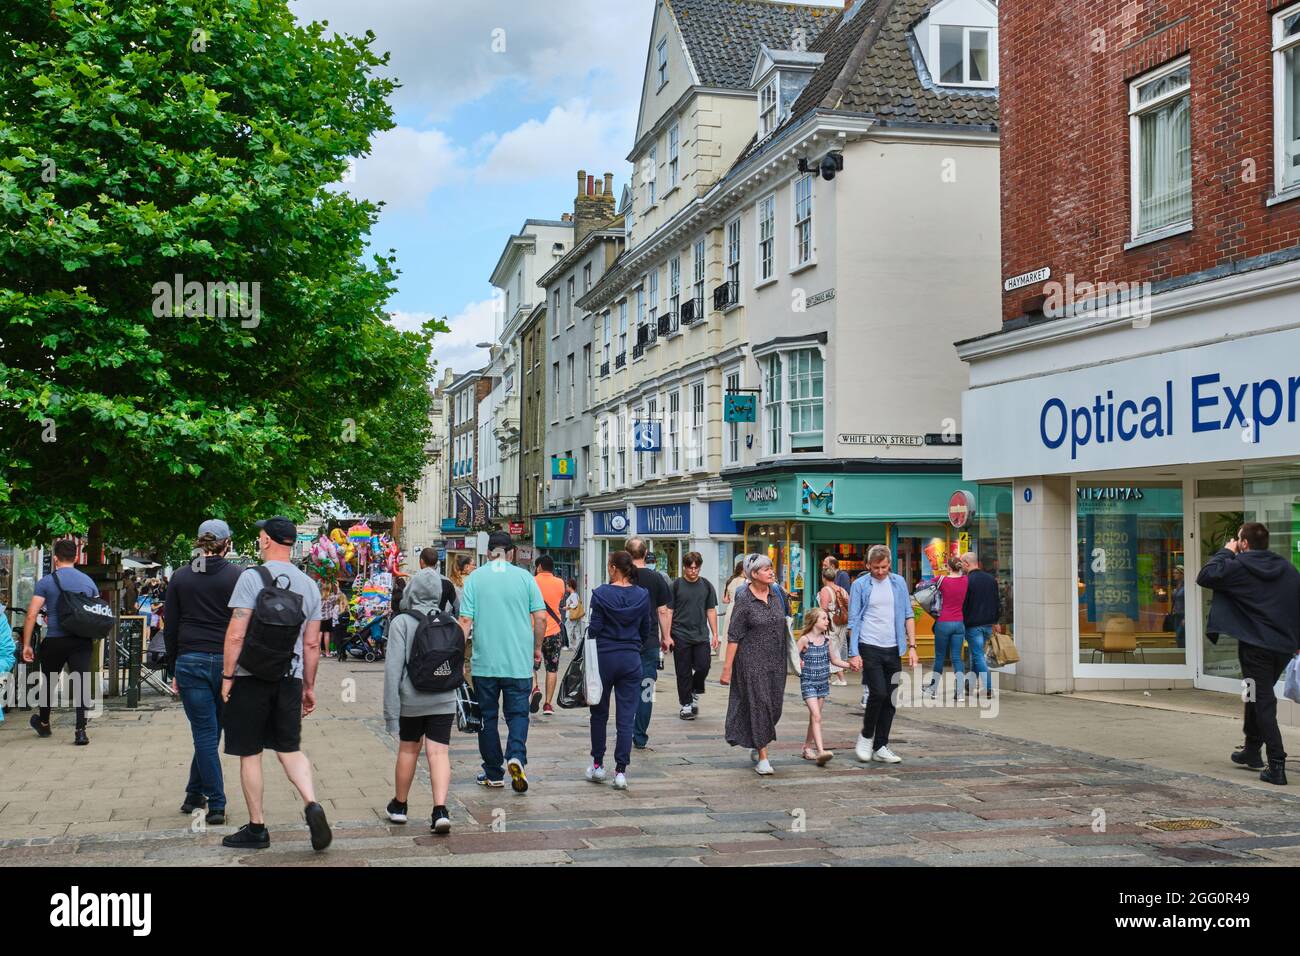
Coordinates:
[594,206]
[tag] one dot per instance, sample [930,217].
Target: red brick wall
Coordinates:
[1065,138]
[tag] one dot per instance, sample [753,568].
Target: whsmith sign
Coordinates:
[1225,402]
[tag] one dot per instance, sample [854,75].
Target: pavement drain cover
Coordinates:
[1184,825]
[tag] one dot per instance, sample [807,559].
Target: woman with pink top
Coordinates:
[949,631]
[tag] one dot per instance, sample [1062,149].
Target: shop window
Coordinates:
[1131,574]
[1286,101]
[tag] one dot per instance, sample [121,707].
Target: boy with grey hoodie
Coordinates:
[417,717]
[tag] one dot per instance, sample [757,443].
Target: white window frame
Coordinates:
[675,289]
[769,106]
[609,337]
[622,329]
[573,385]
[765,215]
[1282,164]
[773,410]
[797,224]
[699,423]
[674,417]
[638,415]
[586,278]
[652,180]
[936,56]
[555,321]
[621,451]
[652,285]
[555,368]
[1136,112]
[652,415]
[662,54]
[674,156]
[699,276]
[605,484]
[778,419]
[733,379]
[732,272]
[571,287]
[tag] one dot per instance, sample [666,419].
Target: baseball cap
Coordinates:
[279,529]
[215,527]
[500,539]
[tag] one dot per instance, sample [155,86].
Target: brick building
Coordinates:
[1142,397]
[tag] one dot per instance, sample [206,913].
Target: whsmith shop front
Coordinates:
[798,518]
[1131,469]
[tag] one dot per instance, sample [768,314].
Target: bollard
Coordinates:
[134,649]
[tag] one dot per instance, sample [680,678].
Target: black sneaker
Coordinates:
[321,837]
[1250,759]
[42,730]
[193,801]
[217,817]
[80,739]
[1275,774]
[396,811]
[245,839]
[441,822]
[535,702]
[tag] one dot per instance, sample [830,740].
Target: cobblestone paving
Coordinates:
[961,798]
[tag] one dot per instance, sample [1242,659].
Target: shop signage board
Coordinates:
[739,408]
[516,528]
[611,523]
[464,511]
[1230,401]
[664,519]
[557,532]
[647,437]
[563,469]
[960,508]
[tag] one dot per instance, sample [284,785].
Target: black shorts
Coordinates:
[263,714]
[551,647]
[437,727]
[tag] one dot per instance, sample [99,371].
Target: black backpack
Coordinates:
[83,615]
[436,660]
[273,631]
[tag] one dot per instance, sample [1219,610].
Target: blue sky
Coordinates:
[502,102]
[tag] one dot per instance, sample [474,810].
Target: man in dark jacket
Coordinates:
[194,631]
[980,613]
[1257,601]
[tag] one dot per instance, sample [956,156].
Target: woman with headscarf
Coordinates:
[756,662]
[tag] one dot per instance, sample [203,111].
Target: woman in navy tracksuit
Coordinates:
[620,625]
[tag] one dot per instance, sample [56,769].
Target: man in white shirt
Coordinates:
[881,629]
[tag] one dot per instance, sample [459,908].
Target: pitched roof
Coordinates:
[723,36]
[874,66]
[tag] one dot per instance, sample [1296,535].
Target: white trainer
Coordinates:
[863,749]
[885,755]
[596,774]
[764,768]
[620,781]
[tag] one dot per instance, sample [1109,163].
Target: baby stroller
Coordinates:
[366,642]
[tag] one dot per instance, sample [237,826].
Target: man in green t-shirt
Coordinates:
[504,618]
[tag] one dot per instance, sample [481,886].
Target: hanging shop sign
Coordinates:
[739,408]
[647,437]
[563,469]
[960,508]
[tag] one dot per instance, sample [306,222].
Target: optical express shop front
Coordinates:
[1127,474]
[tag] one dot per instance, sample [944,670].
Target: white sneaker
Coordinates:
[686,713]
[885,755]
[764,768]
[596,774]
[863,749]
[620,781]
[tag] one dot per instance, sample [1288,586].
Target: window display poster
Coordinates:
[1108,565]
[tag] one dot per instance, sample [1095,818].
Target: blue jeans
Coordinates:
[649,671]
[620,674]
[508,695]
[975,638]
[948,636]
[198,677]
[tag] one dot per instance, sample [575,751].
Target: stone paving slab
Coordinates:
[965,796]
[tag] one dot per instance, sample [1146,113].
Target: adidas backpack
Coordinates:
[436,660]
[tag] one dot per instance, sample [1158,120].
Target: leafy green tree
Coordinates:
[149,147]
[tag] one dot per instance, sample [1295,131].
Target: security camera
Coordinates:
[832,163]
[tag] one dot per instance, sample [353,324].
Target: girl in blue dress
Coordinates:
[817,652]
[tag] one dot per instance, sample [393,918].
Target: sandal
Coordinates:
[824,758]
[809,753]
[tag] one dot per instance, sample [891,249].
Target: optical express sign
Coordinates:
[1226,402]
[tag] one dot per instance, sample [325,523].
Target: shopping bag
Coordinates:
[1000,650]
[573,686]
[1291,680]
[930,599]
[592,685]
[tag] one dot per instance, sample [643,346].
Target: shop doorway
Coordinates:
[1217,667]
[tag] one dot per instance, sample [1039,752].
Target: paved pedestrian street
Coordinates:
[965,795]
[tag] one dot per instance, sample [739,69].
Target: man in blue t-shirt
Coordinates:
[59,648]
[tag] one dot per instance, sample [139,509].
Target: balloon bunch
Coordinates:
[370,602]
[347,552]
[385,553]
[323,559]
[359,537]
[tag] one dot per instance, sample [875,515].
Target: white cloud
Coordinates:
[443,52]
[404,167]
[572,136]
[457,349]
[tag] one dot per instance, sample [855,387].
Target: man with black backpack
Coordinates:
[77,617]
[268,683]
[423,670]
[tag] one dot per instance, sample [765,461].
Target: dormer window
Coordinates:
[959,42]
[767,107]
